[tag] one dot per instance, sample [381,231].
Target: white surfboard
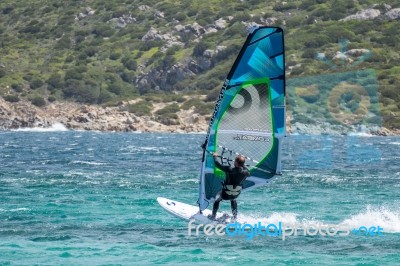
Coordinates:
[188,212]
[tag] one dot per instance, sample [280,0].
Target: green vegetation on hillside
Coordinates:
[78,51]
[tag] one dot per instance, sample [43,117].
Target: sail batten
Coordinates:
[249,117]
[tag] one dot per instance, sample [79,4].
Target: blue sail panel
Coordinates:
[249,117]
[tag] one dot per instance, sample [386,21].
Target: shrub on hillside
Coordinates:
[115,88]
[167,115]
[201,107]
[172,50]
[115,55]
[36,83]
[69,59]
[105,96]
[208,84]
[147,45]
[63,43]
[90,51]
[2,72]
[212,95]
[31,28]
[241,16]
[284,6]
[7,10]
[103,30]
[231,50]
[86,91]
[51,98]
[17,87]
[54,82]
[302,119]
[173,98]
[11,98]
[317,41]
[140,108]
[38,101]
[180,16]
[166,62]
[128,76]
[199,48]
[129,63]
[169,109]
[75,73]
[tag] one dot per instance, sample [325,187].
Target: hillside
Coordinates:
[115,52]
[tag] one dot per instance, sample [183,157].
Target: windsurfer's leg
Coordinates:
[216,206]
[234,208]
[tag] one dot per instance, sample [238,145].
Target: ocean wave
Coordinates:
[87,162]
[197,133]
[387,219]
[133,149]
[332,180]
[15,210]
[190,180]
[54,128]
[360,134]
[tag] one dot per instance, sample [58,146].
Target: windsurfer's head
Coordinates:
[239,161]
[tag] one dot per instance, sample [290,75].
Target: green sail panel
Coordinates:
[249,116]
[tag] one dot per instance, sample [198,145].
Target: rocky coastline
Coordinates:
[76,116]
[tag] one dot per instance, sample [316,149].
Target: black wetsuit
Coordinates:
[232,186]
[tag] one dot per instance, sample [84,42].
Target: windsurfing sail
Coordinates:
[249,115]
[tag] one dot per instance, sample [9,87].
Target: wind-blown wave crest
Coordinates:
[386,218]
[53,128]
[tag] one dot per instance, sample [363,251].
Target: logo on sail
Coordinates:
[251,138]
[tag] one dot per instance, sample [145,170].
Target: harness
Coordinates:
[231,187]
[232,191]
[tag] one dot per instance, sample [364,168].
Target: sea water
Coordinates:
[89,198]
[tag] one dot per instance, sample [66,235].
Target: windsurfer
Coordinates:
[232,185]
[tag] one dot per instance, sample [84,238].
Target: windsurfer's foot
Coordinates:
[211,217]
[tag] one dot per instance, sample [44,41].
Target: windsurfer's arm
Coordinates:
[246,173]
[218,164]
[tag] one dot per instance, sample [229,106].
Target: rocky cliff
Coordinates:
[92,117]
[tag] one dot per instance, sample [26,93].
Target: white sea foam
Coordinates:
[54,128]
[190,180]
[388,219]
[86,162]
[15,210]
[198,133]
[332,180]
[275,218]
[360,134]
[131,149]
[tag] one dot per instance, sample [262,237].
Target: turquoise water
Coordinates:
[73,198]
